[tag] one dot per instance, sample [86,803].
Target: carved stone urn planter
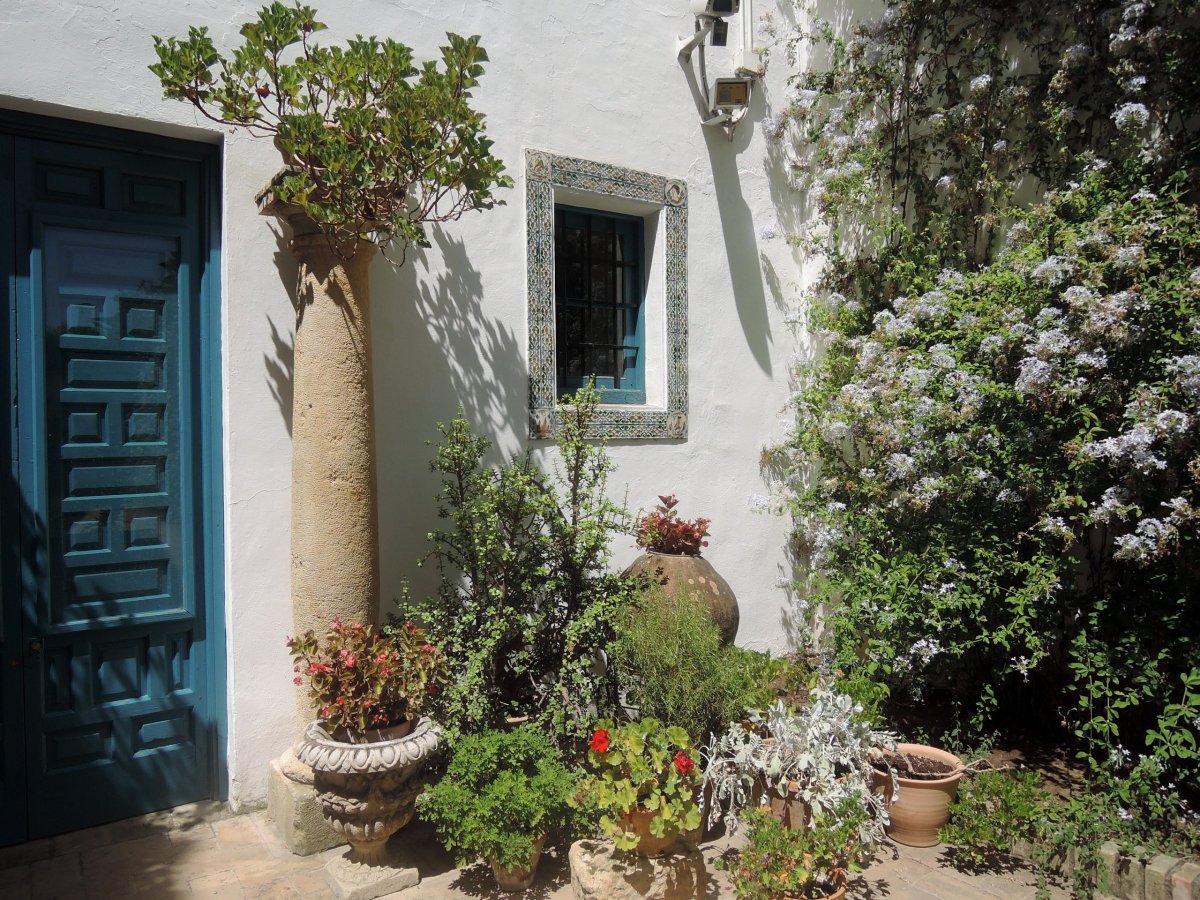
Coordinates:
[367,793]
[691,575]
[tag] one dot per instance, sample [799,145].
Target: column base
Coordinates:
[357,881]
[292,806]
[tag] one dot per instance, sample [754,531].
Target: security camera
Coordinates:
[715,9]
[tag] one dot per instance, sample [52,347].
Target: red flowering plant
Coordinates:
[664,532]
[643,765]
[362,678]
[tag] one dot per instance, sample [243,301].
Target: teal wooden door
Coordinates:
[106,530]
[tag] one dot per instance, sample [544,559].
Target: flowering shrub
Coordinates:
[664,532]
[643,765]
[361,678]
[995,473]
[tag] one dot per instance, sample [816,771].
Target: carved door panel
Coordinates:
[114,654]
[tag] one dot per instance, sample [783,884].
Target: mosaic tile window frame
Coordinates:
[544,172]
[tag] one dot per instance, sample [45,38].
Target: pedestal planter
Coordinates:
[923,806]
[367,793]
[683,575]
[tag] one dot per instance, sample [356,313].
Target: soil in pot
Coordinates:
[917,767]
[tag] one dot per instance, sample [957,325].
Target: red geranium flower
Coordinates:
[684,763]
[599,741]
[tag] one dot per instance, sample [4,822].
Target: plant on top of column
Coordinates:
[376,146]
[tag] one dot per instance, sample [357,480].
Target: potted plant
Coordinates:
[780,862]
[503,793]
[370,740]
[672,558]
[374,146]
[645,784]
[802,766]
[925,781]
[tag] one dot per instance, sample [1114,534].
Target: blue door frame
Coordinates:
[112,635]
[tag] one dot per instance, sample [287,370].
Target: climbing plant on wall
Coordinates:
[995,467]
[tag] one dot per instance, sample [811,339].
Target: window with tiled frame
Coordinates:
[661,203]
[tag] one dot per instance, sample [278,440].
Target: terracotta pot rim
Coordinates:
[696,555]
[934,753]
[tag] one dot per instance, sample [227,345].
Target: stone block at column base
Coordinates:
[601,872]
[292,806]
[355,881]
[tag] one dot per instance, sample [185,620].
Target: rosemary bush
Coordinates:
[671,665]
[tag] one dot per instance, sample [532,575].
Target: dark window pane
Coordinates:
[602,329]
[600,362]
[603,283]
[602,240]
[569,284]
[625,250]
[598,292]
[574,362]
[570,323]
[572,242]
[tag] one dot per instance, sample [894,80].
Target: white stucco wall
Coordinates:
[597,80]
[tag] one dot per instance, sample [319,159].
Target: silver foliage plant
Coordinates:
[821,755]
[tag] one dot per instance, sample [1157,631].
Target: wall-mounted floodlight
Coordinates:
[725,105]
[731,94]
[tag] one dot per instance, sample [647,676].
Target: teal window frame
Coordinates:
[551,179]
[603,284]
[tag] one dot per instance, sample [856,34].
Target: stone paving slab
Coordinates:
[202,850]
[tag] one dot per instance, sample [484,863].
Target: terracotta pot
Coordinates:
[638,822]
[836,895]
[519,878]
[366,790]
[922,807]
[682,575]
[788,809]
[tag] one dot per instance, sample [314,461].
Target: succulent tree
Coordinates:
[376,146]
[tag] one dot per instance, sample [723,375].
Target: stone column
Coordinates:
[335,540]
[334,528]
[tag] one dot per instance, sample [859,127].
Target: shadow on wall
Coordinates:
[436,348]
[739,233]
[281,366]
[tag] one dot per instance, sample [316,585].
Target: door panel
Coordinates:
[12,513]
[118,708]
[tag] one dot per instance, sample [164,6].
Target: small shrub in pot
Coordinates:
[502,794]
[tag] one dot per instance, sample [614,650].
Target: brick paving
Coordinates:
[203,850]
